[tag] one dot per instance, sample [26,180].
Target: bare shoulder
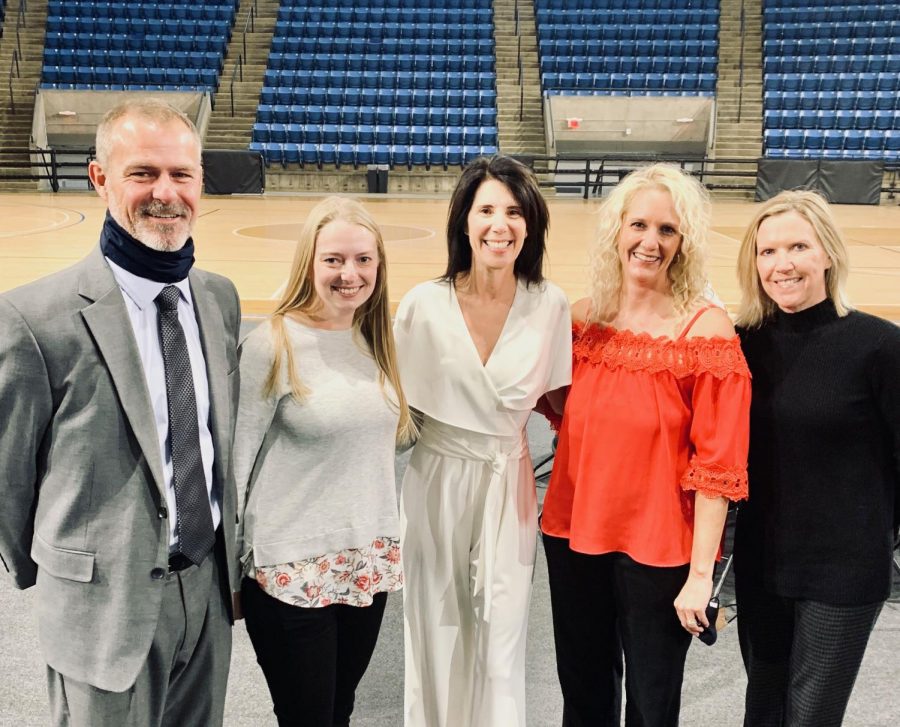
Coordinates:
[580,310]
[712,322]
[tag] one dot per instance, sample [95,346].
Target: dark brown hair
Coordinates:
[523,186]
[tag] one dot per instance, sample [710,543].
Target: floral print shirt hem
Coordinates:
[349,577]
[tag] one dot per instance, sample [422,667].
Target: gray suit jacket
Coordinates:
[82,495]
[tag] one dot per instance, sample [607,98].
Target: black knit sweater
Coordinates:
[824,461]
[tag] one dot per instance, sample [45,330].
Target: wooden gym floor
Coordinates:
[251,240]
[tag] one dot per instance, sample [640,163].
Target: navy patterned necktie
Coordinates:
[194,519]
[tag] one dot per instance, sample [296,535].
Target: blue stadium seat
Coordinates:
[793,142]
[363,154]
[845,119]
[809,82]
[399,155]
[773,139]
[827,100]
[365,134]
[873,140]
[884,119]
[865,101]
[327,154]
[834,142]
[309,154]
[808,119]
[381,154]
[290,154]
[845,100]
[886,82]
[853,143]
[789,120]
[813,141]
[418,155]
[892,145]
[345,155]
[868,81]
[826,119]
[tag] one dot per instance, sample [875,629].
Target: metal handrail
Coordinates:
[519,57]
[589,175]
[250,23]
[238,69]
[13,64]
[516,15]
[741,66]
[521,84]
[588,171]
[21,22]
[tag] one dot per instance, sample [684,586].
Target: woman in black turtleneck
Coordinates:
[813,544]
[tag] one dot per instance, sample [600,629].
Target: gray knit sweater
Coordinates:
[318,476]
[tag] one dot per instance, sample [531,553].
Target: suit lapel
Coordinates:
[111,328]
[213,337]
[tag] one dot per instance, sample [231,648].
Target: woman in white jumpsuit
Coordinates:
[476,350]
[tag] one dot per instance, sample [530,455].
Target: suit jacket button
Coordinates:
[157,573]
[163,513]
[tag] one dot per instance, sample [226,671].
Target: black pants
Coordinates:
[313,658]
[604,605]
[801,656]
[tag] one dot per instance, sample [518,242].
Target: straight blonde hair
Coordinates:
[372,320]
[756,305]
[686,273]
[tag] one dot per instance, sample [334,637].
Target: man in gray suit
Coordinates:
[118,388]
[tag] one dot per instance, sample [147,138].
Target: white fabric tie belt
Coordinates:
[449,441]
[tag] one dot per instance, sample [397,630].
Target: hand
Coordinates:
[690,605]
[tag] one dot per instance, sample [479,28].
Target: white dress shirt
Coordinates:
[139,295]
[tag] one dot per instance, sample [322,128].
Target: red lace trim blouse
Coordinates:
[648,422]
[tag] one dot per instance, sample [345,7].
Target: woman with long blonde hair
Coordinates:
[813,543]
[652,445]
[321,410]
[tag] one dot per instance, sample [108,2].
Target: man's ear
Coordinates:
[97,177]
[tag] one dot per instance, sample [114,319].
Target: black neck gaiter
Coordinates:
[140,260]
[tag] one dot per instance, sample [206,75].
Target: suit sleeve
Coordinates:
[26,404]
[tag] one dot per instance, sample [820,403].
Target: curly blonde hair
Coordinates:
[756,305]
[686,272]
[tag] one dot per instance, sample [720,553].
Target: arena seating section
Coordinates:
[832,79]
[617,47]
[383,82]
[136,45]
[356,86]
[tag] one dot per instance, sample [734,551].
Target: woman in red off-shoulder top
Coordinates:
[652,445]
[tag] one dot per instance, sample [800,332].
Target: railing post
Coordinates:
[741,67]
[54,170]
